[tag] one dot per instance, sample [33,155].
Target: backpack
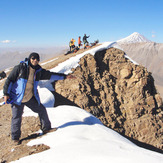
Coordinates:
[2,75]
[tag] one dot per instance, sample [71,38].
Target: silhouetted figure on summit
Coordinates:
[85,40]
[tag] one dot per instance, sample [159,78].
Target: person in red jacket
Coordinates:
[79,42]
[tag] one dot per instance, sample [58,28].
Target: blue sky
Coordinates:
[41,23]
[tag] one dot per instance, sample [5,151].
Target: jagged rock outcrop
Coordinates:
[149,55]
[121,94]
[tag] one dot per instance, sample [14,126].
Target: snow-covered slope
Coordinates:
[82,138]
[134,38]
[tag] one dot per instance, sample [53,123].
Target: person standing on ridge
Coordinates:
[79,42]
[72,44]
[20,89]
[85,40]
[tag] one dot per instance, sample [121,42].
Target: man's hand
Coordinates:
[70,77]
[5,99]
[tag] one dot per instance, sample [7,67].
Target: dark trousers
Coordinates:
[17,112]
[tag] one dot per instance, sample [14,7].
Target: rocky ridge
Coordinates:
[121,94]
[149,55]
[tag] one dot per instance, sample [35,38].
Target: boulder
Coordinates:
[118,92]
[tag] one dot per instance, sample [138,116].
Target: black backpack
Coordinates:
[2,75]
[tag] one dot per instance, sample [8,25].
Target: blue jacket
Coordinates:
[15,84]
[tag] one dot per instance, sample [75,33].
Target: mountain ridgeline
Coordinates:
[118,92]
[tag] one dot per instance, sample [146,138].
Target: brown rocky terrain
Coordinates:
[150,55]
[8,150]
[121,94]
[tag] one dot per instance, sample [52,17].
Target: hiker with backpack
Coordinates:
[20,89]
[85,40]
[72,44]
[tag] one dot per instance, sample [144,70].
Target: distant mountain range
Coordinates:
[12,56]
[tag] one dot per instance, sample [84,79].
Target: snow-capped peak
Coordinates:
[134,38]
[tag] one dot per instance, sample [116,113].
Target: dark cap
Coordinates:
[35,55]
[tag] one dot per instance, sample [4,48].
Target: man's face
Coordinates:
[34,61]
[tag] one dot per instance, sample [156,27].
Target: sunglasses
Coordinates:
[33,58]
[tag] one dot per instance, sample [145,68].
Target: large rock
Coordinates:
[149,54]
[121,94]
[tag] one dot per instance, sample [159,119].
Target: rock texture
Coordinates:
[150,55]
[121,94]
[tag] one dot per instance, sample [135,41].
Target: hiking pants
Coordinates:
[17,111]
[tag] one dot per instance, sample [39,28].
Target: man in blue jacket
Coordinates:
[20,89]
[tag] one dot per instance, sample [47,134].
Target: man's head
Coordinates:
[34,59]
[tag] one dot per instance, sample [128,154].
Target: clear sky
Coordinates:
[41,23]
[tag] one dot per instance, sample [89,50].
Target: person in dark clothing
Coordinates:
[20,89]
[85,40]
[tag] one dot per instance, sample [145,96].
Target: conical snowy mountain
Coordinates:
[134,38]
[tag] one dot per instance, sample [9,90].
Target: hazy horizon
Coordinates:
[15,55]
